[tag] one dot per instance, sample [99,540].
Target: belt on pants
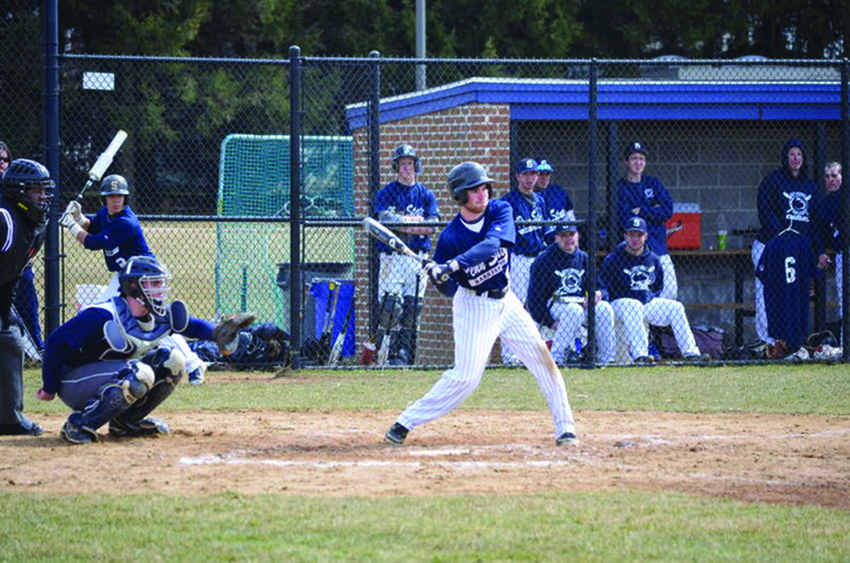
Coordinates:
[492,293]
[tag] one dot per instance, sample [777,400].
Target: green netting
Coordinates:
[254,182]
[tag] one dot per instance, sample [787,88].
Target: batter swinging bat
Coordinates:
[103,162]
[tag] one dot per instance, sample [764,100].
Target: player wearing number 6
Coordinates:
[473,250]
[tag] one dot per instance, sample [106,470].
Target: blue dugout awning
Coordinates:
[558,100]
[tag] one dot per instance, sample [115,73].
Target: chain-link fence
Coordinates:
[683,145]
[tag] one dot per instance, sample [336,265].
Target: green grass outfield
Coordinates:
[613,525]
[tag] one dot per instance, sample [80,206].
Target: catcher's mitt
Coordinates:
[226,333]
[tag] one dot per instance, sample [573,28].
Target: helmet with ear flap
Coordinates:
[465,176]
[408,151]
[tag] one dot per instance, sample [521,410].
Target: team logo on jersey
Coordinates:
[798,206]
[640,277]
[570,281]
[648,193]
[558,214]
[534,215]
[479,273]
[412,210]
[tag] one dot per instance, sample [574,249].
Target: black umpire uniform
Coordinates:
[23,221]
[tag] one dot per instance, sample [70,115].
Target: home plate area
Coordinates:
[760,458]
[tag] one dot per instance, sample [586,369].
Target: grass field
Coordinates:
[614,522]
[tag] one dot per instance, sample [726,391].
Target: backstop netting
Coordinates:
[252,258]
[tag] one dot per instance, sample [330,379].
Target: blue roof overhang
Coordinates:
[559,100]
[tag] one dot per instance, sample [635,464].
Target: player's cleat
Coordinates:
[196,376]
[74,432]
[566,439]
[396,434]
[26,427]
[144,427]
[800,355]
[645,360]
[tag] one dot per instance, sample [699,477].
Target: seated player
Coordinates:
[633,278]
[557,296]
[112,362]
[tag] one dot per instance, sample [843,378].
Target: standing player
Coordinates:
[115,230]
[829,218]
[527,205]
[471,264]
[112,363]
[404,200]
[557,296]
[633,277]
[27,189]
[786,197]
[557,202]
[646,197]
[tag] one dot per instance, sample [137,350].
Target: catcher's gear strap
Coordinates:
[179,316]
[141,335]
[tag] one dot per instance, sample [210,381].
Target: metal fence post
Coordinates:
[50,113]
[296,313]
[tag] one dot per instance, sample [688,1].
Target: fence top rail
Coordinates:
[284,60]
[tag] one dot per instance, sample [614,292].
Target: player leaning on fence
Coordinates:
[401,285]
[471,265]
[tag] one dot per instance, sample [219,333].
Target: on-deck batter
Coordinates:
[471,264]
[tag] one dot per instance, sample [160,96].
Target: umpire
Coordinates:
[27,189]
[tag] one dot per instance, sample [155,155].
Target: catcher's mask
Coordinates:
[148,281]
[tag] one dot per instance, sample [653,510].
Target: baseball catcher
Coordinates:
[112,362]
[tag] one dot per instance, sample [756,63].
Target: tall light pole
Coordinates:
[421,80]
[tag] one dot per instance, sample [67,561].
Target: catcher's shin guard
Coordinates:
[135,415]
[111,401]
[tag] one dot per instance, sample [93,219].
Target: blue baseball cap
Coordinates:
[526,165]
[544,166]
[636,224]
[566,227]
[633,148]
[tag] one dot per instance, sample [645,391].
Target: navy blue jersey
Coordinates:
[407,201]
[556,274]
[458,242]
[784,200]
[120,237]
[558,207]
[81,340]
[529,238]
[786,269]
[637,277]
[828,215]
[656,207]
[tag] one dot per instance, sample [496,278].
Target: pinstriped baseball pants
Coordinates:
[477,321]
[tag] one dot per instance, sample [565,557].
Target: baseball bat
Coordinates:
[336,349]
[103,162]
[380,232]
[386,236]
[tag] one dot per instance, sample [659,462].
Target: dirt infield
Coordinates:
[767,458]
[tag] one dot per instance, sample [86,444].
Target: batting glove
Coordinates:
[75,211]
[69,223]
[439,273]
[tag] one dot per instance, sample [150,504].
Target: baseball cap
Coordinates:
[633,148]
[636,224]
[565,227]
[544,166]
[526,165]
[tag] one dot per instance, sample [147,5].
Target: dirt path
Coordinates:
[770,458]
